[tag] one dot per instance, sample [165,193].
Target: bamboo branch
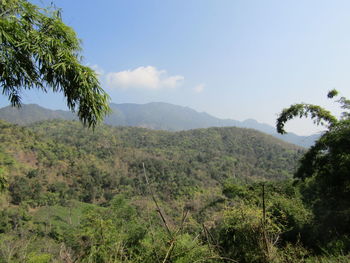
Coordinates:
[169,251]
[156,203]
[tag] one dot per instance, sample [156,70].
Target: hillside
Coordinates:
[96,165]
[30,113]
[162,116]
[158,116]
[78,194]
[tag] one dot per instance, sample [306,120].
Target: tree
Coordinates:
[324,171]
[37,50]
[3,181]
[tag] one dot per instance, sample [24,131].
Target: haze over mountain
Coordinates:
[155,115]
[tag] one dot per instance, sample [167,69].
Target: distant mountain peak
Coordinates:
[153,115]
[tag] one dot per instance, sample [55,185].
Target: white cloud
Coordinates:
[199,88]
[99,71]
[147,77]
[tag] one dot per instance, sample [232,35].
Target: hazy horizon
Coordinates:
[63,108]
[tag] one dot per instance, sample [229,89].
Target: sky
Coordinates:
[234,59]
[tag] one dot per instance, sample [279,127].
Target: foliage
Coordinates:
[39,258]
[118,234]
[316,112]
[3,180]
[325,169]
[37,50]
[248,234]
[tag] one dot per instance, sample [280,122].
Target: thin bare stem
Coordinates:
[156,203]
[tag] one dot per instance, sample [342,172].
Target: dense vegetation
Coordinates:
[324,172]
[77,195]
[110,159]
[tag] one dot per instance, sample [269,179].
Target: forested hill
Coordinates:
[94,166]
[78,194]
[30,113]
[157,115]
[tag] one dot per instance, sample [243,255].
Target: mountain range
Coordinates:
[155,115]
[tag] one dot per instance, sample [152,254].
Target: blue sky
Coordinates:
[234,59]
